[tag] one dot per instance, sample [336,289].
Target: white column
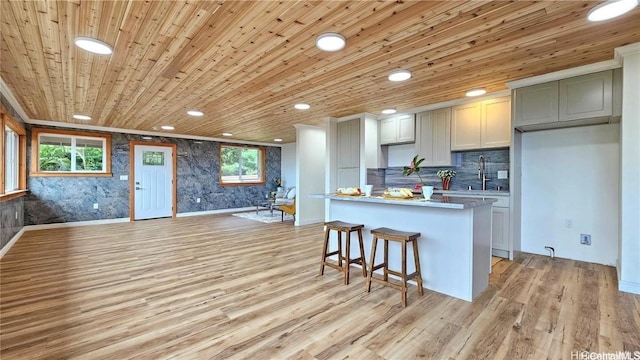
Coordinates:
[629,249]
[310,169]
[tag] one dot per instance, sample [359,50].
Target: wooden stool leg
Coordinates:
[371,262]
[404,274]
[385,275]
[347,263]
[416,259]
[324,251]
[362,260]
[339,248]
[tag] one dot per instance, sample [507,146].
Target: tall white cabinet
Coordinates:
[433,140]
[348,155]
[481,125]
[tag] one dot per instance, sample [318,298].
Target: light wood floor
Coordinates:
[217,287]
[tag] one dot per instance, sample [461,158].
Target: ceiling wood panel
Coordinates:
[245,63]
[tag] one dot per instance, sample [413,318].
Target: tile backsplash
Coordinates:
[466,172]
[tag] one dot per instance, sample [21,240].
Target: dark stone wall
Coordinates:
[9,224]
[68,199]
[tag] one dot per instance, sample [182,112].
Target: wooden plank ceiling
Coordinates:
[246,63]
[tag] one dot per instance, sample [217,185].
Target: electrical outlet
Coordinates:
[568,223]
[95,206]
[198,200]
[503,174]
[585,239]
[124,177]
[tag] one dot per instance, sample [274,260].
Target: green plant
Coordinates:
[446,174]
[414,168]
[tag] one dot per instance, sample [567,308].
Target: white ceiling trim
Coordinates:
[146,133]
[564,74]
[6,92]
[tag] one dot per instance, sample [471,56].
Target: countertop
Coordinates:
[472,192]
[436,201]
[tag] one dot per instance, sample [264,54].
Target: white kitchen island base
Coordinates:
[455,242]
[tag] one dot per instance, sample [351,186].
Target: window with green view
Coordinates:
[72,153]
[241,165]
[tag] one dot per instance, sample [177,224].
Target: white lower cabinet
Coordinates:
[500,232]
[500,211]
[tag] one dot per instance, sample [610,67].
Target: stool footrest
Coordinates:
[343,254]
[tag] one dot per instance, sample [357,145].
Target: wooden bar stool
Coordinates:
[344,261]
[403,237]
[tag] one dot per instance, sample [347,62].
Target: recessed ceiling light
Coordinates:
[302,106]
[167,127]
[227,134]
[277,140]
[81,117]
[476,92]
[195,113]
[400,75]
[147,138]
[93,45]
[330,42]
[611,9]
[388,111]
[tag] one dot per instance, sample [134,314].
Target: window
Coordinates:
[11,160]
[241,165]
[70,153]
[13,157]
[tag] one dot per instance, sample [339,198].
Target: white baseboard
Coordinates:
[309,221]
[13,240]
[213,212]
[630,287]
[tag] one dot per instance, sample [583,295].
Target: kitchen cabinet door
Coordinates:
[388,131]
[496,123]
[348,139]
[406,129]
[586,96]
[348,177]
[397,130]
[465,126]
[536,104]
[500,231]
[433,140]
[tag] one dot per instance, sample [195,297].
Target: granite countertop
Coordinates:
[436,201]
[472,192]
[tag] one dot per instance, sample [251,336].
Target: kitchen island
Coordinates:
[455,242]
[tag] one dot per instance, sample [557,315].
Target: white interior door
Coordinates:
[153,181]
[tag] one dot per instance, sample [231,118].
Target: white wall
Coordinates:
[570,185]
[288,165]
[629,267]
[311,173]
[400,155]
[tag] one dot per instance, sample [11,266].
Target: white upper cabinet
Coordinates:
[481,125]
[586,96]
[537,104]
[495,127]
[465,126]
[397,130]
[433,140]
[585,99]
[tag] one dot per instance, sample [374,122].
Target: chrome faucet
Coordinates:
[482,172]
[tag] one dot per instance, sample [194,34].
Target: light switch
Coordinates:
[503,174]
[124,177]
